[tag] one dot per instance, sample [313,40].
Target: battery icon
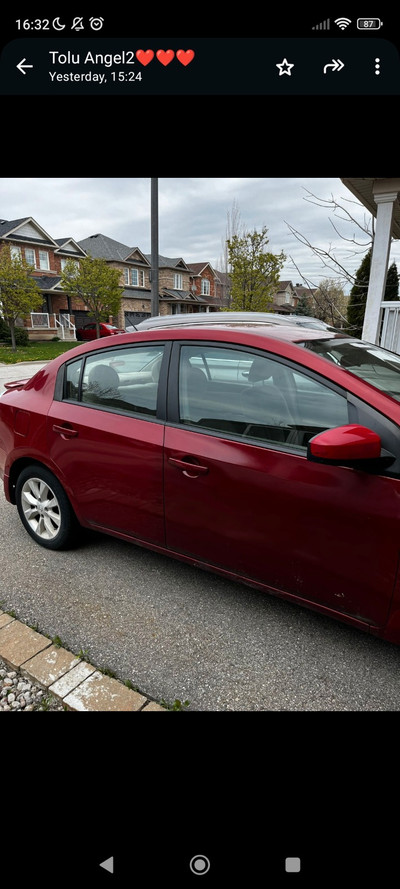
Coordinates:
[369,24]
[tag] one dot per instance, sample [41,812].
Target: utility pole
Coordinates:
[154,248]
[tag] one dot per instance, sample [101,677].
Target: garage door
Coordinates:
[135,317]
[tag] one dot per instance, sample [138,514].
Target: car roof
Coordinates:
[200,318]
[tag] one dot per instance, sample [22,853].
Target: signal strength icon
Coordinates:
[342,23]
[323,26]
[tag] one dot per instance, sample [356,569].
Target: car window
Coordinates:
[251,395]
[365,360]
[117,379]
[72,377]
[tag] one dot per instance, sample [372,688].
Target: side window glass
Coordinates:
[72,378]
[254,396]
[123,379]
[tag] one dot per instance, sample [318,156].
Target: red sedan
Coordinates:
[270,455]
[89,332]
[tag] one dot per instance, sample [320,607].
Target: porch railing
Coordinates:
[64,323]
[60,324]
[39,320]
[389,336]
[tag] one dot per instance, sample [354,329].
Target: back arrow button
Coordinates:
[21,66]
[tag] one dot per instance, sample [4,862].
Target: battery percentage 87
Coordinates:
[369,24]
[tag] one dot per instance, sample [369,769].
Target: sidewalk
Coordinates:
[72,681]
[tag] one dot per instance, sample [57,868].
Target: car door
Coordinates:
[106,440]
[241,495]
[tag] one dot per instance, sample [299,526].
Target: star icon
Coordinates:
[285,67]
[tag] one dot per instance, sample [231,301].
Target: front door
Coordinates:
[240,493]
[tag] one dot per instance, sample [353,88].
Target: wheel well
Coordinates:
[16,470]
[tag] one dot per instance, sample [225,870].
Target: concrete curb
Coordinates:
[74,682]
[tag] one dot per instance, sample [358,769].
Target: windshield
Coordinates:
[371,363]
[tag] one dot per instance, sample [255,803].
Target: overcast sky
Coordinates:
[193,216]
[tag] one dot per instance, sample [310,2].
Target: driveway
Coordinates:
[179,633]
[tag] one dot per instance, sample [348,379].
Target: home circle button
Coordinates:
[199,864]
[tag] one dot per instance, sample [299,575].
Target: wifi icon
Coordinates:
[342,23]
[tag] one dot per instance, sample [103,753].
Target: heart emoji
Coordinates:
[185,56]
[144,56]
[165,56]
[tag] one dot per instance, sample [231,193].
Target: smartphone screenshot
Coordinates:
[214,799]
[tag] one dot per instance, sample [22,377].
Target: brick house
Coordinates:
[180,285]
[47,256]
[207,284]
[183,288]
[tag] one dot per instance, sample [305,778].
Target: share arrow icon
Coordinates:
[336,65]
[108,865]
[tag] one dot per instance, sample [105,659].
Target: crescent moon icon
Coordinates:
[57,24]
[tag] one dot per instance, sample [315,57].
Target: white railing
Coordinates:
[64,323]
[389,327]
[40,319]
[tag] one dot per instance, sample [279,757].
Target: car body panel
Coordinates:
[123,494]
[258,509]
[326,536]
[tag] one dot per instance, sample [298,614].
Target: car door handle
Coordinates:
[188,467]
[65,431]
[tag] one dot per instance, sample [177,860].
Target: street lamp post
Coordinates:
[154,248]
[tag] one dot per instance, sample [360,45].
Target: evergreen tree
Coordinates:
[359,292]
[392,283]
[303,306]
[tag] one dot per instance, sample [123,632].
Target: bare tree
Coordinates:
[359,244]
[360,239]
[234,228]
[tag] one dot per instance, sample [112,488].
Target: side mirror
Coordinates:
[350,445]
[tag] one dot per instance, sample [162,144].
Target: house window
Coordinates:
[30,257]
[134,277]
[205,287]
[43,259]
[137,278]
[178,282]
[15,252]
[64,263]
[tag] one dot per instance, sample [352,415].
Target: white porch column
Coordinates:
[379,264]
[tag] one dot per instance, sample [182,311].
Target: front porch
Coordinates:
[47,326]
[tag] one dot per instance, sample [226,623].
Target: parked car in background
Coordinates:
[267,454]
[228,317]
[89,332]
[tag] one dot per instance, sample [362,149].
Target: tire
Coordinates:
[44,508]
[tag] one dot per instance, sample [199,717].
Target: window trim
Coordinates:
[173,394]
[178,281]
[161,410]
[30,250]
[44,253]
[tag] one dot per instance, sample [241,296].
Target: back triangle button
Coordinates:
[108,865]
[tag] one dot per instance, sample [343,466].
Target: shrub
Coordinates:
[21,334]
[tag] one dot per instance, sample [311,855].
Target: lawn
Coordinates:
[34,352]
